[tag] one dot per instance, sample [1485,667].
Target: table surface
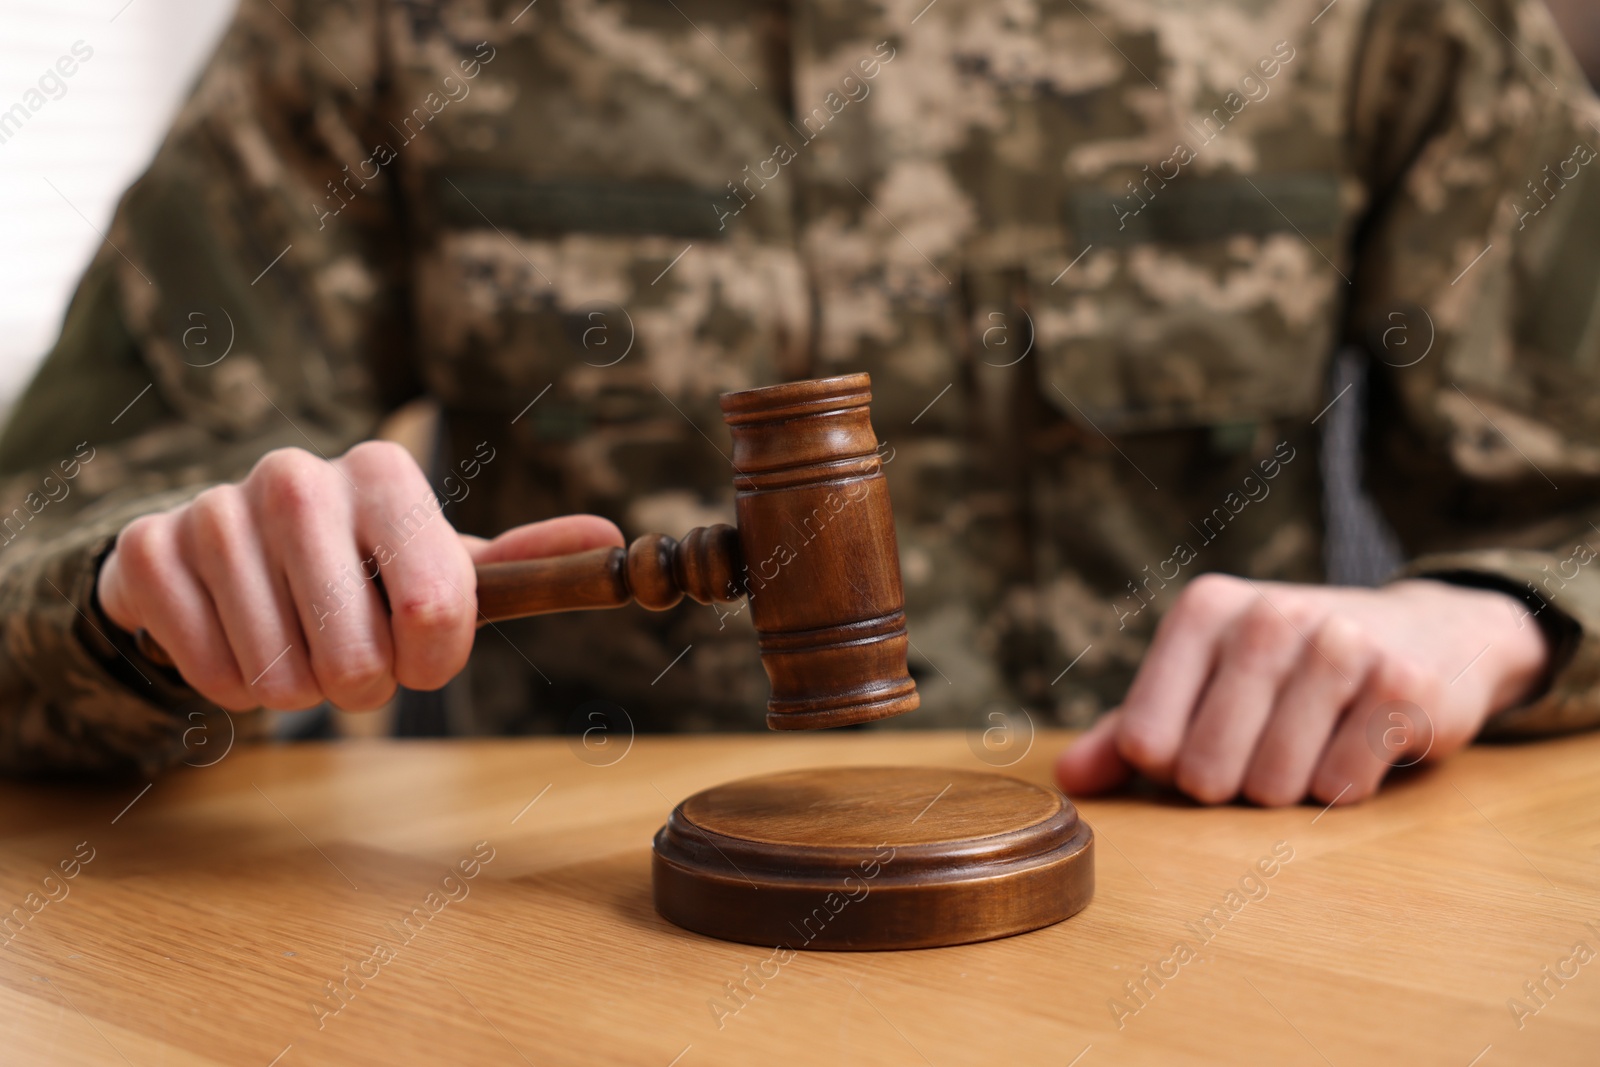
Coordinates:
[220,902]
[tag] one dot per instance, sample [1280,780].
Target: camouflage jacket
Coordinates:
[1096,257]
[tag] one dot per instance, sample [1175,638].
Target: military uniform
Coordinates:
[1096,258]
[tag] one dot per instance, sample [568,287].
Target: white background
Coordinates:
[90,144]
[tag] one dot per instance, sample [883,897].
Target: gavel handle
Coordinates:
[655,571]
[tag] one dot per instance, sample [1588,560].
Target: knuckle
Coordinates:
[141,548]
[288,692]
[220,684]
[1261,635]
[379,455]
[1399,678]
[280,681]
[216,519]
[437,612]
[290,481]
[1419,693]
[1207,599]
[352,673]
[1144,746]
[282,463]
[1343,641]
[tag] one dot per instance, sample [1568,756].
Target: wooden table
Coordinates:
[220,904]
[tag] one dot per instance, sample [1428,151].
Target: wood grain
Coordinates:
[216,908]
[822,568]
[858,858]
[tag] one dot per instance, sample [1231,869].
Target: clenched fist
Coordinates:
[314,580]
[1271,691]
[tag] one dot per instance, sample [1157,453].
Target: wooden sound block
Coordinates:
[872,858]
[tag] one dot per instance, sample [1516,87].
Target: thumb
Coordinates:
[552,537]
[1092,764]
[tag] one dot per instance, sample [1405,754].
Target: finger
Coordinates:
[552,537]
[1327,677]
[254,607]
[145,584]
[1390,724]
[1255,654]
[304,509]
[1164,693]
[426,569]
[1092,764]
[134,562]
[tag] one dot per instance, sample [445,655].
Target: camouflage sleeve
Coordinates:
[246,286]
[1477,292]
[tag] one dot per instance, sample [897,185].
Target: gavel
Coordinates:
[814,551]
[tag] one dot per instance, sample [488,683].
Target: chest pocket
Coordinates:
[1203,300]
[1167,256]
[589,220]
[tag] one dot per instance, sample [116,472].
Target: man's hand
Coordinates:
[1270,691]
[264,594]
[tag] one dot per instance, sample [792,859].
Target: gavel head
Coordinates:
[814,552]
[820,566]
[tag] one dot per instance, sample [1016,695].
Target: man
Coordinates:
[1096,261]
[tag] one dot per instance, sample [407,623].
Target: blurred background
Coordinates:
[1580,21]
[62,171]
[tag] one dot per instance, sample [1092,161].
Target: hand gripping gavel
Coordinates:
[814,551]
